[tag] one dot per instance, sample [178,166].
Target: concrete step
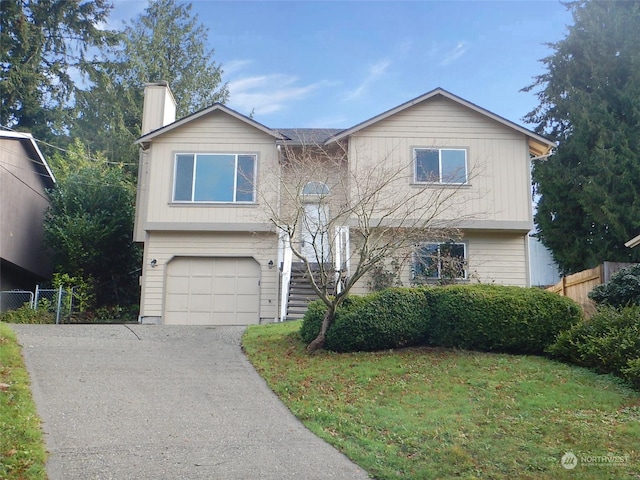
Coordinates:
[301,293]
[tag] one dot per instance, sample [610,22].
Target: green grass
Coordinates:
[22,449]
[425,413]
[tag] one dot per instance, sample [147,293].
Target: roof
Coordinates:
[538,145]
[308,136]
[31,145]
[201,113]
[634,242]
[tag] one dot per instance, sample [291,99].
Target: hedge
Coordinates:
[498,318]
[621,290]
[392,318]
[313,318]
[609,342]
[474,317]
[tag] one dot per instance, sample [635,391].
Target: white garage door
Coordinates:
[212,291]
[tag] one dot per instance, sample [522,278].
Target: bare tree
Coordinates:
[342,211]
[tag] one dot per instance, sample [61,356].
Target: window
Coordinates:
[315,188]
[209,177]
[440,165]
[440,260]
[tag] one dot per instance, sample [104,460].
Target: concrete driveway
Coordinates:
[164,402]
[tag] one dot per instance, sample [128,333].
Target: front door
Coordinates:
[315,243]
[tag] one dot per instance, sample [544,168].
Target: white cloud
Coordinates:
[270,93]
[235,65]
[375,72]
[452,55]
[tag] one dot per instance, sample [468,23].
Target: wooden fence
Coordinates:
[578,285]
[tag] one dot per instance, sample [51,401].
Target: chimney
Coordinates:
[159,107]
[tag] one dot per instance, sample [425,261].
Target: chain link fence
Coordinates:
[14,299]
[59,301]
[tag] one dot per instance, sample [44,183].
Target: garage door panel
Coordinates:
[201,267]
[212,291]
[181,268]
[200,303]
[201,286]
[178,284]
[226,303]
[177,302]
[224,285]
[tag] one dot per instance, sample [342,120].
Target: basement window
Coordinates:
[435,261]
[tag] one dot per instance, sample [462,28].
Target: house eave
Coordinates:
[145,139]
[634,242]
[538,145]
[31,141]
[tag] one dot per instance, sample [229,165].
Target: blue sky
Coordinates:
[336,63]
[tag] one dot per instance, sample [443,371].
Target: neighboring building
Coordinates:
[634,242]
[211,256]
[544,269]
[24,179]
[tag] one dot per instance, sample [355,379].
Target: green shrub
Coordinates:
[498,318]
[609,342]
[312,321]
[621,290]
[392,318]
[632,372]
[26,314]
[313,318]
[474,317]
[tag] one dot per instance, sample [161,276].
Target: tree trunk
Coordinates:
[327,320]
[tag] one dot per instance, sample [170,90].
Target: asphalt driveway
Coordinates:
[164,402]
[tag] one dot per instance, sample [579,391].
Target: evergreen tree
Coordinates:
[42,42]
[166,42]
[90,223]
[590,103]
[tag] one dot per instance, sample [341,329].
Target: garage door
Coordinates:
[212,291]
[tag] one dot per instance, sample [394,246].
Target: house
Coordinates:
[634,242]
[24,178]
[208,184]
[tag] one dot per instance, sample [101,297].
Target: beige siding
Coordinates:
[164,246]
[497,158]
[159,108]
[214,133]
[499,258]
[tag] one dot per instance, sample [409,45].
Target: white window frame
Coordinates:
[415,261]
[194,175]
[440,179]
[315,184]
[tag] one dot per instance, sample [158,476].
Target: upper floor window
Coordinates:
[440,165]
[228,178]
[316,188]
[435,261]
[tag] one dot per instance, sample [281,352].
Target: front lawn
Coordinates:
[22,450]
[436,413]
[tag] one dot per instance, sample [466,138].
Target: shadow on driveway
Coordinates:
[164,402]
